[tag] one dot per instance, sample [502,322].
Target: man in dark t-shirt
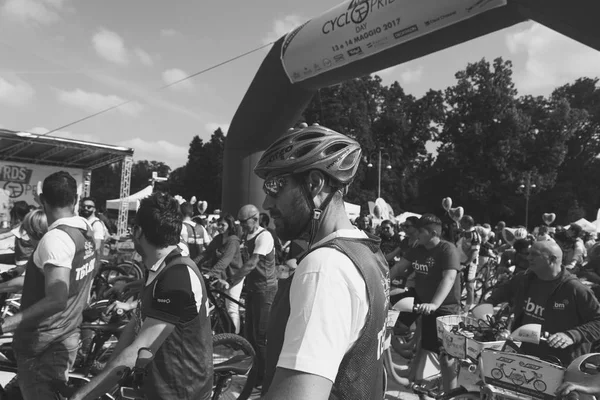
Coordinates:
[435,263]
[171,318]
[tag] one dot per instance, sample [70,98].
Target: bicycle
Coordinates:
[430,386]
[221,321]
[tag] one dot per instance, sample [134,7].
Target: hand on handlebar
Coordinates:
[590,385]
[119,305]
[426,308]
[560,340]
[221,284]
[116,289]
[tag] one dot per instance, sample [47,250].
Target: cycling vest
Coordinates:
[195,239]
[34,339]
[265,274]
[360,375]
[183,365]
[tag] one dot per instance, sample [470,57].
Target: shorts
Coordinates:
[429,338]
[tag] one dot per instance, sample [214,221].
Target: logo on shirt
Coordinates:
[424,268]
[164,301]
[84,271]
[89,249]
[534,310]
[558,305]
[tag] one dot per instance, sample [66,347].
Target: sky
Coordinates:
[62,60]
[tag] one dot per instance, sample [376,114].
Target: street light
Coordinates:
[525,188]
[380,156]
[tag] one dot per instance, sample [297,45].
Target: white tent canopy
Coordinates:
[133,200]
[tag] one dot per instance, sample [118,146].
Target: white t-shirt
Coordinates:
[100,231]
[264,243]
[57,247]
[329,307]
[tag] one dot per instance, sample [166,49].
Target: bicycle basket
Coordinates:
[521,374]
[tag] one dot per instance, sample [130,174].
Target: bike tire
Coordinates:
[497,373]
[225,346]
[220,320]
[132,268]
[540,386]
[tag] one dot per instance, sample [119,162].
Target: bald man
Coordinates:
[258,254]
[549,295]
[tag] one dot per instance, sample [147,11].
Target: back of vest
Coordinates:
[360,375]
[195,240]
[34,339]
[182,367]
[265,273]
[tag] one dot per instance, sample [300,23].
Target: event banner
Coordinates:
[20,181]
[359,28]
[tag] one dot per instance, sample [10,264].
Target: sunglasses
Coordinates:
[87,206]
[273,186]
[243,221]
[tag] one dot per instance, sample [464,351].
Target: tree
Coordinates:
[141,173]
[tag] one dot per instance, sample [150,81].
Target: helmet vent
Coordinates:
[335,148]
[309,136]
[304,150]
[350,160]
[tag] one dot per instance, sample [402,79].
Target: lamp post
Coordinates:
[380,156]
[525,188]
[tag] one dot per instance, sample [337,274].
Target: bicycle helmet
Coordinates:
[308,148]
[312,147]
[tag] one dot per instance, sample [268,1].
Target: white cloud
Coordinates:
[144,57]
[283,26]
[87,137]
[168,32]
[15,91]
[171,154]
[173,75]
[211,127]
[411,75]
[111,47]
[94,102]
[551,59]
[38,11]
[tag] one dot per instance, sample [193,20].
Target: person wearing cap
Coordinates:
[328,320]
[576,253]
[260,273]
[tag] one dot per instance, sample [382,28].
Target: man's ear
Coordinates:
[316,181]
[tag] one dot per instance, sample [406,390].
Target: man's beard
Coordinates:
[86,214]
[296,225]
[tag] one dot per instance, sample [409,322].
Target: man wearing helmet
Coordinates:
[327,325]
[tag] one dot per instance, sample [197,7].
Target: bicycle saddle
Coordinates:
[239,365]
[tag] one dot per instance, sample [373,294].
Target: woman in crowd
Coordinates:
[223,259]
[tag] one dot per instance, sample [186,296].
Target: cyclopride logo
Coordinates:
[356,13]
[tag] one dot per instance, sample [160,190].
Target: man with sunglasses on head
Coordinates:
[327,326]
[259,270]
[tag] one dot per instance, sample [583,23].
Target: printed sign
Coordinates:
[359,28]
[20,181]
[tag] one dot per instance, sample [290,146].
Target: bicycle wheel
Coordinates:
[133,269]
[497,373]
[540,386]
[232,386]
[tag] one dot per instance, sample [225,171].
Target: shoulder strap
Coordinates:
[178,260]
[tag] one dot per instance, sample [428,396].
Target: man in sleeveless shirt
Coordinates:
[172,314]
[57,283]
[325,337]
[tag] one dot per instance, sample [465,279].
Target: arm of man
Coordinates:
[399,268]
[327,315]
[152,335]
[98,228]
[450,267]
[588,310]
[57,294]
[205,236]
[245,270]
[263,246]
[389,257]
[12,286]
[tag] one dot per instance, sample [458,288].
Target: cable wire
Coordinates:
[160,88]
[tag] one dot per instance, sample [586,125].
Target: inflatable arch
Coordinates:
[359,37]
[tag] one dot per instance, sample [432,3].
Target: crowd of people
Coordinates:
[317,333]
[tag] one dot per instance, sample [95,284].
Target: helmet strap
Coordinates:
[317,212]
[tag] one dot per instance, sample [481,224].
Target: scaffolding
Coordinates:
[125,186]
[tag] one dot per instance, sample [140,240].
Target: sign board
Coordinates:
[357,29]
[19,181]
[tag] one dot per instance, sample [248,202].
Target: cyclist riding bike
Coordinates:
[172,316]
[549,295]
[328,318]
[435,263]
